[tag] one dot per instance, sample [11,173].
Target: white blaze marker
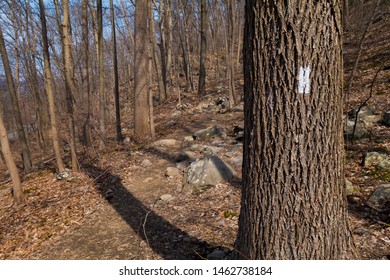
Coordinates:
[304,80]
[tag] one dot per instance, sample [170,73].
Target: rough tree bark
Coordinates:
[27,163]
[143,123]
[50,89]
[293,197]
[69,83]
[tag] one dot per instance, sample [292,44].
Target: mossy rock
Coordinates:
[350,188]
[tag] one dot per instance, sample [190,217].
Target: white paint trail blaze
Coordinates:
[304,80]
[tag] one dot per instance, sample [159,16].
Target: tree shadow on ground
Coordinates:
[164,238]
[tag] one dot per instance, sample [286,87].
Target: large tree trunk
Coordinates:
[203,49]
[69,83]
[13,170]
[27,163]
[143,128]
[50,89]
[293,197]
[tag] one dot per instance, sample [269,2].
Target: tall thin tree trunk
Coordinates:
[168,45]
[102,97]
[9,160]
[87,138]
[69,84]
[203,49]
[157,62]
[27,163]
[50,89]
[230,51]
[118,128]
[31,65]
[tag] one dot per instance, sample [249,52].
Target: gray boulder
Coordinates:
[381,195]
[350,188]
[384,164]
[238,108]
[172,172]
[205,173]
[146,163]
[166,143]
[364,111]
[209,133]
[377,159]
[187,141]
[360,130]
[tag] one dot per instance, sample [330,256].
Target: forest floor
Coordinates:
[114,208]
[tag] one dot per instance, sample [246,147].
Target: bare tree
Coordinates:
[27,163]
[9,160]
[203,49]
[102,96]
[50,89]
[69,82]
[118,128]
[85,73]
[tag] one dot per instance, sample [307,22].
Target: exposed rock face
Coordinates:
[205,173]
[381,195]
[209,133]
